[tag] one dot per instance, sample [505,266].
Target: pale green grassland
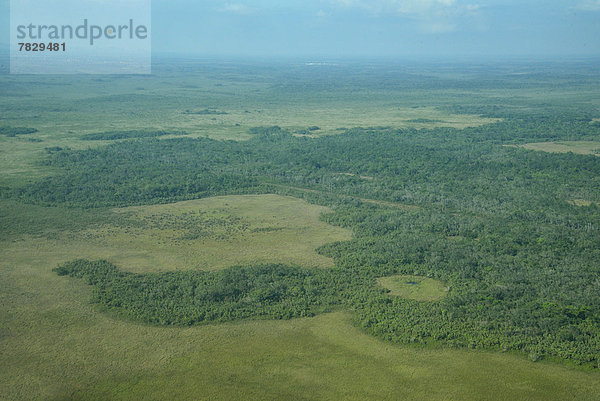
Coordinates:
[578,147]
[205,234]
[414,287]
[212,233]
[55,345]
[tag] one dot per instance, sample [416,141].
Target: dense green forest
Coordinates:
[185,298]
[492,221]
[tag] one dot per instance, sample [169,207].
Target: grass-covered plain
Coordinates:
[205,234]
[55,344]
[212,233]
[414,287]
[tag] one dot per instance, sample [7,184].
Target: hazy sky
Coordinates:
[394,28]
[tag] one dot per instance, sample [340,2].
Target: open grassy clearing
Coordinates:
[577,147]
[237,230]
[18,157]
[414,287]
[206,234]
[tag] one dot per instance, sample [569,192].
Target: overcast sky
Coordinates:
[377,28]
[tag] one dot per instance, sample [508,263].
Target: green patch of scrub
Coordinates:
[130,134]
[12,132]
[414,287]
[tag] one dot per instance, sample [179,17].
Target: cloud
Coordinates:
[397,6]
[589,5]
[236,8]
[432,16]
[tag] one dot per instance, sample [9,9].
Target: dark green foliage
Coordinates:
[493,222]
[113,135]
[149,171]
[14,131]
[185,298]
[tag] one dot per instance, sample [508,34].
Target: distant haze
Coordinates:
[377,28]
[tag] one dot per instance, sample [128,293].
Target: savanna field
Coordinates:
[228,231]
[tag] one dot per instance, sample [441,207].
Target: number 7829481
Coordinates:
[40,47]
